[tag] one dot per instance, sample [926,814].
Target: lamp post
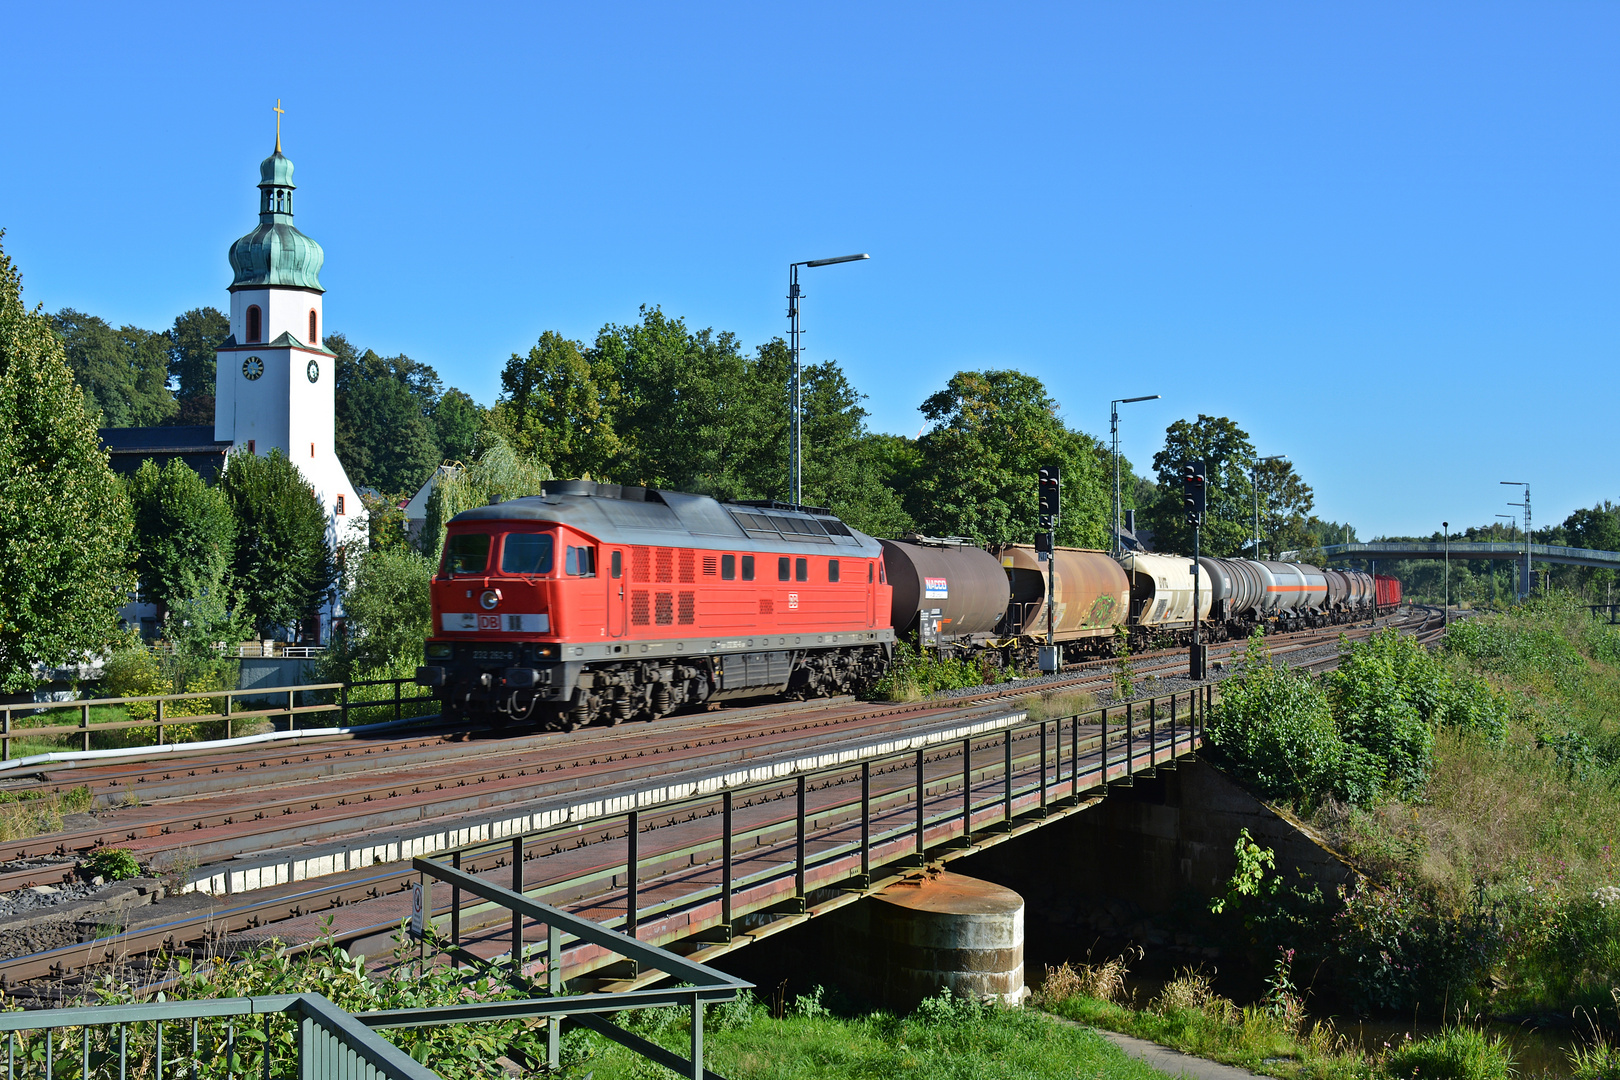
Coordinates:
[1255,487]
[1529,574]
[795,434]
[1113,429]
[1445,527]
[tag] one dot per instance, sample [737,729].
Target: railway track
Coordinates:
[218,804]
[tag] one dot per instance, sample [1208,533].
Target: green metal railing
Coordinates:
[163,720]
[189,1040]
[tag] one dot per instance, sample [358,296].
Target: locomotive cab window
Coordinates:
[728,568]
[526,553]
[782,568]
[832,569]
[869,573]
[748,567]
[801,569]
[579,562]
[618,563]
[466,553]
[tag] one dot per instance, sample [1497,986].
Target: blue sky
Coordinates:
[1382,238]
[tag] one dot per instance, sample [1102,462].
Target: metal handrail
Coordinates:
[343,706]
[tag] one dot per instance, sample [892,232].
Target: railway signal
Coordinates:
[1193,491]
[1051,496]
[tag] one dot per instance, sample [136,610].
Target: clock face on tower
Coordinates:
[252,368]
[313,371]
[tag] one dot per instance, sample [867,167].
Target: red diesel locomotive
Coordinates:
[596,603]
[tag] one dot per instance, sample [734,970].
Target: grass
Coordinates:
[31,813]
[1059,704]
[944,1039]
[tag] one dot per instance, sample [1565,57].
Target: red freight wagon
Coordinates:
[1389,593]
[600,603]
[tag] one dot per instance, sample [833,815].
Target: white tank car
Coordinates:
[1162,590]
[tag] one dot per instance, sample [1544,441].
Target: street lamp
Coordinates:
[1113,428]
[1445,527]
[1255,487]
[1529,575]
[795,435]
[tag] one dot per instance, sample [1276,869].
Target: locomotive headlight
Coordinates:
[439,650]
[490,598]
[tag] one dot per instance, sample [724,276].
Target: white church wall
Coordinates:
[282,311]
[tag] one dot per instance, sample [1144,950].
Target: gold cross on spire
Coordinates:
[278,110]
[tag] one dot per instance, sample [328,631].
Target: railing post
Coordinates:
[455,909]
[554,987]
[1074,758]
[1172,725]
[397,703]
[1006,778]
[922,857]
[1153,731]
[967,788]
[292,724]
[697,1038]
[5,737]
[798,862]
[1130,740]
[725,859]
[517,916]
[631,859]
[228,697]
[84,724]
[343,705]
[866,824]
[1103,746]
[160,705]
[1043,763]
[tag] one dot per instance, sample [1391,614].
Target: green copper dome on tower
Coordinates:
[275,253]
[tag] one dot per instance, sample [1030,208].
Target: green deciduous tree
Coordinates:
[283,563]
[991,432]
[64,519]
[554,408]
[500,472]
[124,372]
[383,435]
[185,534]
[1228,455]
[1285,509]
[457,420]
[386,603]
[193,339]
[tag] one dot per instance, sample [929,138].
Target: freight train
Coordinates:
[601,603]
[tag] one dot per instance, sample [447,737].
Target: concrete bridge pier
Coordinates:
[935,931]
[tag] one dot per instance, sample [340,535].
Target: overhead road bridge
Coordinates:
[1552,553]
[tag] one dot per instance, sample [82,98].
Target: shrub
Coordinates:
[1457,1053]
[114,864]
[917,673]
[1274,729]
[1400,947]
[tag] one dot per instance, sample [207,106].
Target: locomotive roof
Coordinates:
[652,516]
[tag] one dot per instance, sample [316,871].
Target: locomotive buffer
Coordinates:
[1193,487]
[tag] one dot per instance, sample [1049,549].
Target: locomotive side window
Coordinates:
[618,563]
[832,569]
[526,553]
[748,568]
[801,569]
[579,562]
[782,569]
[467,553]
[869,573]
[728,568]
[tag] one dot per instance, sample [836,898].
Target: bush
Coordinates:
[917,673]
[1385,694]
[114,864]
[1457,1053]
[1402,947]
[1274,729]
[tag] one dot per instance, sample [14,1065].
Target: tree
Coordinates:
[501,472]
[554,408]
[991,432]
[64,519]
[1229,517]
[124,372]
[185,534]
[1285,508]
[193,342]
[283,562]
[457,420]
[387,605]
[383,435]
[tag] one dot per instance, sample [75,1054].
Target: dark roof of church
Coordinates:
[193,444]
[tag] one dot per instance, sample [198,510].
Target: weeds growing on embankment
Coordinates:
[1476,787]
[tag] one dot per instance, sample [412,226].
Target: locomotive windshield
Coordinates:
[526,553]
[466,553]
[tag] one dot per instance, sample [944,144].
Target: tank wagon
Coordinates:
[1091,596]
[948,593]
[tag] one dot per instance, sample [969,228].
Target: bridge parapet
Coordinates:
[1553,553]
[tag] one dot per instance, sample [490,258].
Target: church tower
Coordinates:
[275,381]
